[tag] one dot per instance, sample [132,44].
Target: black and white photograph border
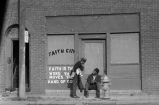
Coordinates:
[79,52]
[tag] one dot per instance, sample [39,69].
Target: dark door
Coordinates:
[15,66]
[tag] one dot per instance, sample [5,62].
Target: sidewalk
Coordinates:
[63,100]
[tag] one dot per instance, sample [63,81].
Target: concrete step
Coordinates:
[66,93]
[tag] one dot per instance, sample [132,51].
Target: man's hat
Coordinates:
[83,59]
[97,70]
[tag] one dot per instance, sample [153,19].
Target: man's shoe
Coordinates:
[97,97]
[81,90]
[86,93]
[86,96]
[75,97]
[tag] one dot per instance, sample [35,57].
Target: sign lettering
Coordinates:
[58,74]
[61,51]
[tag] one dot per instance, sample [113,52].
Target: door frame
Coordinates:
[103,42]
[12,85]
[95,37]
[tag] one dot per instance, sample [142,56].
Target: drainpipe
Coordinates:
[21,13]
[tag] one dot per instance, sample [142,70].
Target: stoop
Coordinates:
[66,93]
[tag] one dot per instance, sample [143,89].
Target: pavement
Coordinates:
[142,99]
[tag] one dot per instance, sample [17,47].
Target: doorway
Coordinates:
[95,52]
[15,67]
[15,64]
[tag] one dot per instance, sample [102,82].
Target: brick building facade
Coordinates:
[47,18]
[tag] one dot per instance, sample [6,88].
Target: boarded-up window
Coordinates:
[125,48]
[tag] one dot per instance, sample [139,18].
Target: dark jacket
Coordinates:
[76,66]
[90,79]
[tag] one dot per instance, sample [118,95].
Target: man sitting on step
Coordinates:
[93,83]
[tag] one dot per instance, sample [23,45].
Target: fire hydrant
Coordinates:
[106,86]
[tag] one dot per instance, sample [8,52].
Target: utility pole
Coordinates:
[21,13]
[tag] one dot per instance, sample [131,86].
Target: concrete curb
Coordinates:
[115,100]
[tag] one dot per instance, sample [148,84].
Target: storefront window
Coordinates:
[60,60]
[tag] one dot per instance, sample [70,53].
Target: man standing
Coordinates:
[76,77]
[93,83]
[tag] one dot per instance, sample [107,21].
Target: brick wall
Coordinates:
[36,11]
[10,18]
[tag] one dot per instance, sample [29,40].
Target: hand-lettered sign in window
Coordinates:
[60,60]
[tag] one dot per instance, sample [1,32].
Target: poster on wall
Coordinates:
[60,61]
